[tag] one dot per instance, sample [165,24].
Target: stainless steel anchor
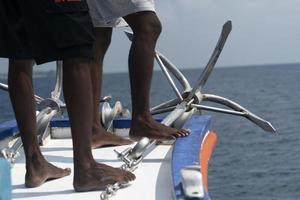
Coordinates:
[183,107]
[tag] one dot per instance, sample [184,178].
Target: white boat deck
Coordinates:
[153,175]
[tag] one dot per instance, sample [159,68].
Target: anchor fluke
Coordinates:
[227,27]
[237,110]
[265,125]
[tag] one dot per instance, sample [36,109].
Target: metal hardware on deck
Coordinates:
[108,114]
[10,155]
[50,107]
[43,120]
[56,93]
[227,27]
[138,150]
[133,156]
[191,180]
[106,99]
[165,71]
[180,121]
[175,71]
[265,125]
[111,190]
[4,87]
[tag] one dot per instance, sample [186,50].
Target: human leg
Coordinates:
[88,174]
[146,28]
[38,170]
[100,137]
[75,41]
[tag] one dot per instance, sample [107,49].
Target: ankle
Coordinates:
[95,130]
[35,164]
[35,159]
[83,166]
[141,117]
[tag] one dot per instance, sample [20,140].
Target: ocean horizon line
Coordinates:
[37,72]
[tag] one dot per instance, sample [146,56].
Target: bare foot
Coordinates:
[38,173]
[148,127]
[102,138]
[98,176]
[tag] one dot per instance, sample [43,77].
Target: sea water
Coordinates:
[248,163]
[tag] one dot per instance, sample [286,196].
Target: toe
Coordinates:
[178,134]
[132,177]
[186,132]
[67,171]
[129,177]
[183,133]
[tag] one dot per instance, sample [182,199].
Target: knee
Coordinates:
[21,64]
[18,66]
[103,40]
[19,70]
[148,28]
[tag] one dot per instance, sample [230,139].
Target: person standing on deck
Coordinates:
[141,17]
[42,31]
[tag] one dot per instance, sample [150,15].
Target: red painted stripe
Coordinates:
[206,151]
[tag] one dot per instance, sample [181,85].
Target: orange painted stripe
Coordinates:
[206,151]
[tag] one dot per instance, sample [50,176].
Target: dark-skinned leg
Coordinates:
[38,170]
[146,28]
[100,137]
[88,174]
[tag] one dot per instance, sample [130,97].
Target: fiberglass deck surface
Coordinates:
[153,175]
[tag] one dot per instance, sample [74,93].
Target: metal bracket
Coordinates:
[11,154]
[108,114]
[191,179]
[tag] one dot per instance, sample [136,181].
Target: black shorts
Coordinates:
[45,30]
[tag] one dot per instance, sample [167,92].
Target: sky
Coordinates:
[264,32]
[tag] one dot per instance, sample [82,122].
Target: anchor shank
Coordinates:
[213,60]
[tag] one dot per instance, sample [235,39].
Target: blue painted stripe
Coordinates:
[186,152]
[8,129]
[122,123]
[60,122]
[117,123]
